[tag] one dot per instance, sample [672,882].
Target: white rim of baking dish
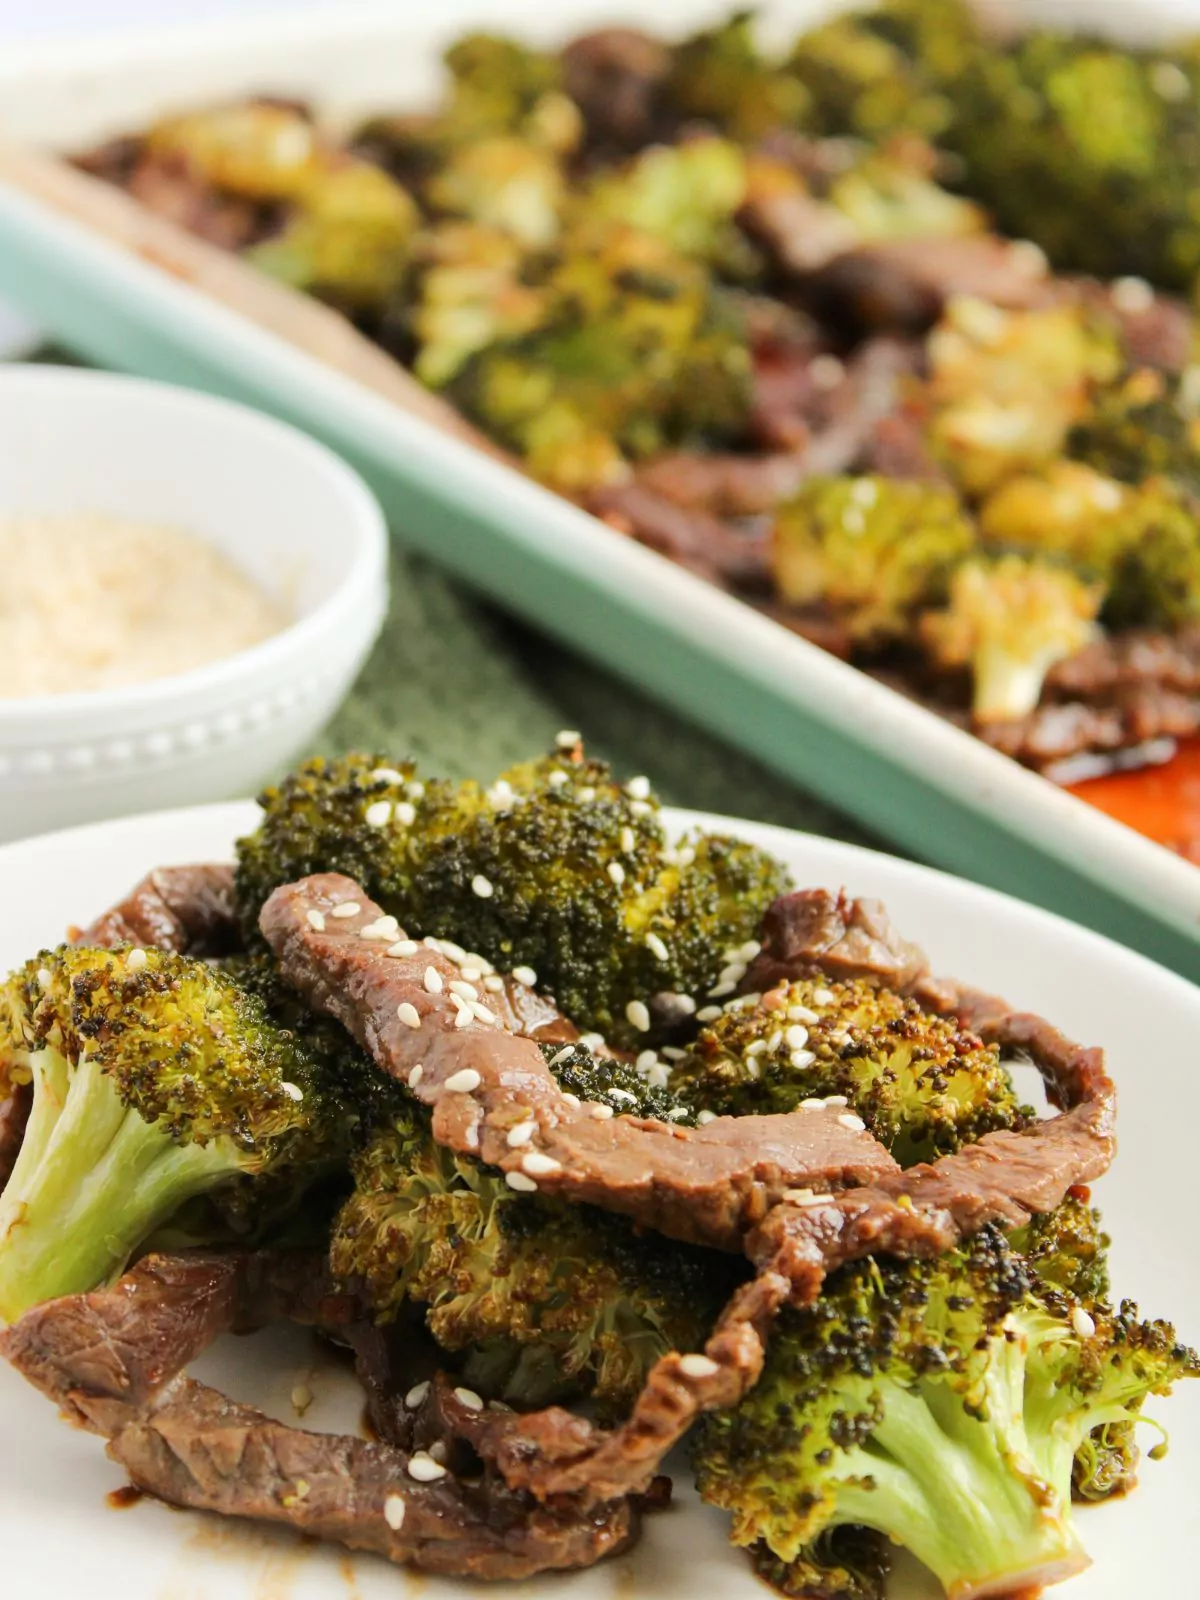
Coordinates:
[360,588]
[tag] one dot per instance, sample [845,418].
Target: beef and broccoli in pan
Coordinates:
[584,1141]
[885,330]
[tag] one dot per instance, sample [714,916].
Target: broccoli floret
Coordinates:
[540,1297]
[583,887]
[941,1403]
[156,1079]
[1155,577]
[843,1563]
[258,150]
[1140,428]
[504,183]
[498,86]
[869,549]
[686,195]
[631,1090]
[923,1085]
[721,77]
[1108,194]
[1068,511]
[892,193]
[1005,387]
[1009,621]
[347,238]
[860,82]
[471,291]
[1067,1250]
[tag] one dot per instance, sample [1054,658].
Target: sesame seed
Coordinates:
[775,1040]
[525,975]
[677,1114]
[293,1091]
[797,1196]
[697,1366]
[849,1120]
[386,775]
[378,814]
[573,1101]
[708,1014]
[657,948]
[639,808]
[462,990]
[756,1047]
[406,813]
[464,1017]
[431,943]
[500,795]
[647,1059]
[802,1014]
[637,1014]
[797,1037]
[616,872]
[556,779]
[43,977]
[135,960]
[433,981]
[672,1052]
[683,1003]
[568,738]
[393,1512]
[826,372]
[1169,81]
[733,973]
[703,1118]
[471,973]
[1132,295]
[481,1013]
[482,886]
[587,794]
[659,1076]
[864,492]
[593,1041]
[415,1076]
[601,1112]
[539,1165]
[315,920]
[1083,1322]
[302,1398]
[836,1100]
[464,1082]
[685,856]
[471,1137]
[1028,258]
[493,984]
[812,1105]
[415,791]
[815,1200]
[622,1094]
[348,908]
[521,1134]
[416,1395]
[628,841]
[669,856]
[424,1468]
[468,1398]
[384,928]
[403,947]
[559,1056]
[753,1070]
[720,990]
[824,997]
[520,1182]
[801,1060]
[408,1014]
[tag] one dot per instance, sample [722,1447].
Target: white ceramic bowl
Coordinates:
[285,510]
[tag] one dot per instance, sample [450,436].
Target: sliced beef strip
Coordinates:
[615,76]
[185,909]
[113,1361]
[696,539]
[703,1185]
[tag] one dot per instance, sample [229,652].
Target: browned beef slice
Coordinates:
[187,909]
[693,537]
[705,1185]
[813,931]
[615,77]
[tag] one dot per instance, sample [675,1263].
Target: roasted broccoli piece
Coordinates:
[540,1297]
[923,1085]
[1108,194]
[1155,577]
[869,549]
[941,1403]
[1009,620]
[554,866]
[842,1563]
[1140,428]
[1067,510]
[862,83]
[258,150]
[346,239]
[498,86]
[720,77]
[471,291]
[504,183]
[1005,387]
[156,1079]
[893,193]
[686,195]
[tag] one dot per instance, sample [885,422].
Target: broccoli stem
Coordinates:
[961,1491]
[91,1181]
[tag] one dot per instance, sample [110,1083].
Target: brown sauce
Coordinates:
[126,1496]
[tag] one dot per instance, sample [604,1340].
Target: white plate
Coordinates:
[60,1539]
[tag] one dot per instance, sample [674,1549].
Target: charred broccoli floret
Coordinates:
[870,549]
[504,183]
[1068,511]
[540,1297]
[686,195]
[893,193]
[942,1403]
[498,86]
[156,1079]
[554,866]
[1009,621]
[721,77]
[1140,428]
[860,82]
[471,291]
[1155,578]
[258,150]
[923,1085]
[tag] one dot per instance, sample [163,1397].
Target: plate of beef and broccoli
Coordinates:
[655,1203]
[875,323]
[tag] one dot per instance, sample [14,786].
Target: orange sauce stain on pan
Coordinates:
[1161,802]
[126,1496]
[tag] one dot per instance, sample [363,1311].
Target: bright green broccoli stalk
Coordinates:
[579,882]
[1009,621]
[870,550]
[540,1298]
[923,1085]
[155,1080]
[941,1403]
